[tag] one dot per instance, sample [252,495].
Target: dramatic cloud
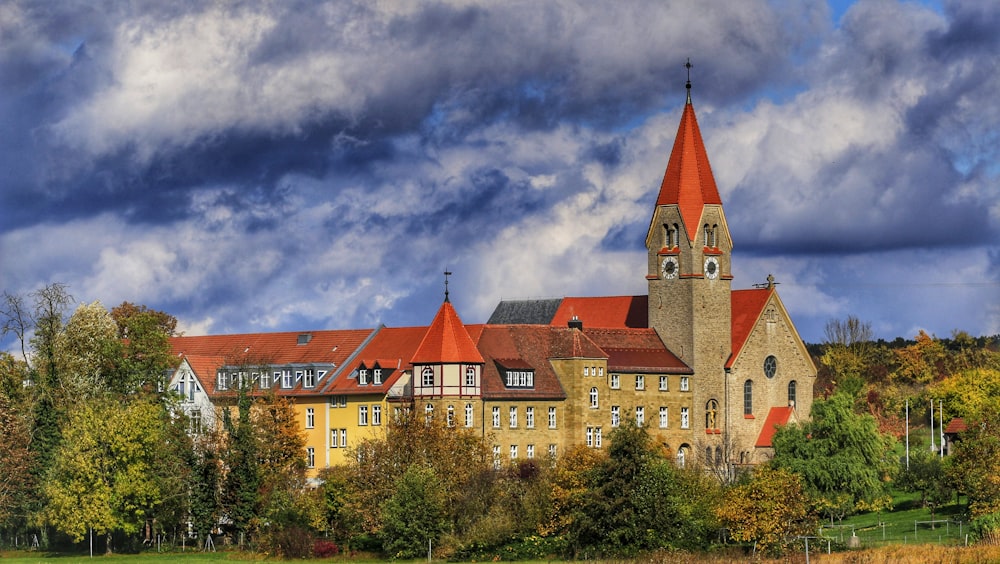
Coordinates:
[295,165]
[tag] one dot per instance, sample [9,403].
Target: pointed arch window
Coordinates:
[748,398]
[791,393]
[710,238]
[427,377]
[593,398]
[671,235]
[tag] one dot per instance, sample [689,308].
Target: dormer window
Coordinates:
[362,376]
[309,380]
[286,379]
[520,379]
[222,384]
[377,376]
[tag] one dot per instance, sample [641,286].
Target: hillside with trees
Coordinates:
[95,451]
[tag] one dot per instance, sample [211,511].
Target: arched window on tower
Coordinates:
[748,398]
[671,235]
[714,232]
[791,394]
[593,398]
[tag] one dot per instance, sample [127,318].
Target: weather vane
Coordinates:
[447,273]
[688,66]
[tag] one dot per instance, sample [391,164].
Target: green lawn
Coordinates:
[155,558]
[906,523]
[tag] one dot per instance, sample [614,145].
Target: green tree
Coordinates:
[974,465]
[843,459]
[769,509]
[87,350]
[241,498]
[145,347]
[414,517]
[637,500]
[926,475]
[113,471]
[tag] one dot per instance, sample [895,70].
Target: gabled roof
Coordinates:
[776,417]
[636,350]
[747,305]
[392,348]
[604,311]
[447,341]
[688,181]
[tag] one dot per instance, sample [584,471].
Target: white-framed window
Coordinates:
[615,415]
[664,417]
[496,457]
[286,379]
[530,451]
[586,371]
[513,418]
[342,401]
[468,415]
[685,384]
[376,415]
[496,417]
[640,416]
[311,457]
[552,418]
[470,376]
[222,383]
[616,381]
[552,450]
[685,418]
[343,438]
[310,418]
[277,378]
[195,425]
[513,452]
[529,418]
[428,412]
[310,378]
[594,404]
[450,417]
[333,438]
[264,380]
[590,437]
[597,437]
[664,383]
[377,376]
[600,372]
[640,382]
[363,377]
[427,377]
[362,415]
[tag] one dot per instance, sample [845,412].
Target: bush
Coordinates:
[986,529]
[532,547]
[288,542]
[325,549]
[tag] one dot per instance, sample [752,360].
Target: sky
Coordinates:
[301,165]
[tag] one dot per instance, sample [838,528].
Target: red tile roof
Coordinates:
[447,341]
[688,181]
[747,305]
[776,417]
[955,426]
[604,311]
[274,348]
[392,348]
[533,346]
[636,350]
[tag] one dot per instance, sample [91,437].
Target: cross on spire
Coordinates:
[688,66]
[446,275]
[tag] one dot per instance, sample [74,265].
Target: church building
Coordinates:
[711,372]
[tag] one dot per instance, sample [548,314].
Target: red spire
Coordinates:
[447,341]
[688,182]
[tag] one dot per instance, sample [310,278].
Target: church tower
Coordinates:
[689,270]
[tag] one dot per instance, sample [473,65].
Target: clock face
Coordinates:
[712,267]
[669,267]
